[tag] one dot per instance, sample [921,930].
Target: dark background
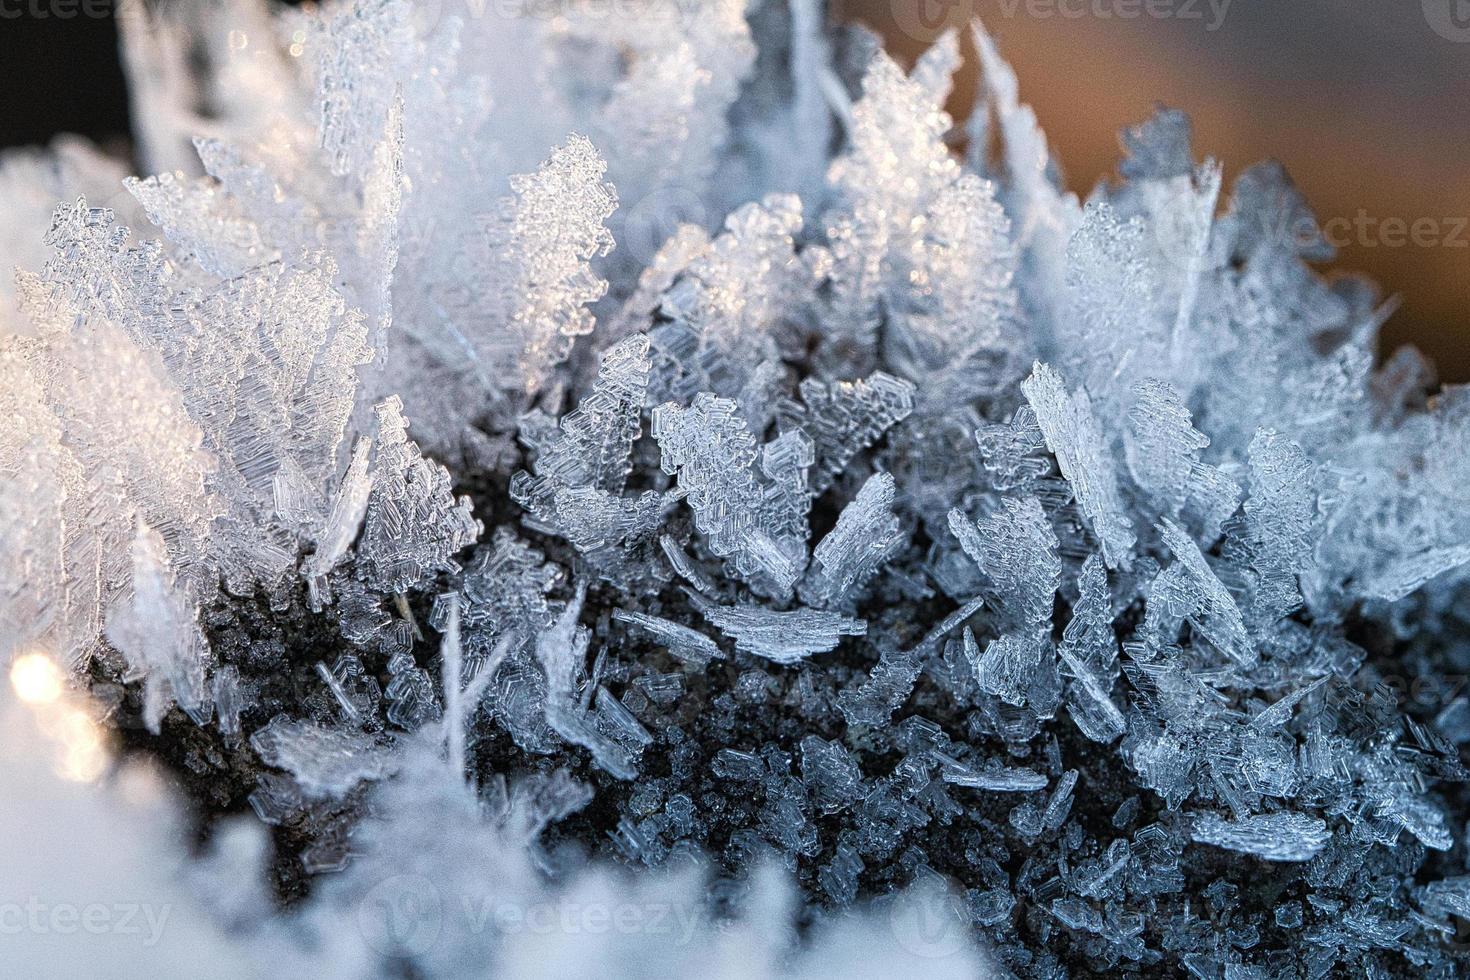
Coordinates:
[61,76]
[1363,100]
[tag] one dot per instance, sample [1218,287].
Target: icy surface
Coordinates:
[865,552]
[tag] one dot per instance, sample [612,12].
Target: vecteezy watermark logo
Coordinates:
[670,921]
[654,219]
[925,20]
[584,10]
[1211,13]
[405,916]
[35,917]
[401,915]
[56,9]
[927,921]
[1450,19]
[1182,222]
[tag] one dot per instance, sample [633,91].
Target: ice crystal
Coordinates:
[759,526]
[1201,596]
[158,631]
[1273,836]
[506,591]
[324,763]
[733,296]
[562,652]
[1163,453]
[1075,437]
[1089,649]
[844,418]
[783,637]
[343,523]
[1280,515]
[690,646]
[412,523]
[867,534]
[593,444]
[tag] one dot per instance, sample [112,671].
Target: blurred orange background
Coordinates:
[1367,102]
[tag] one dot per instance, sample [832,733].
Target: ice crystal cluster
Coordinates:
[649,465]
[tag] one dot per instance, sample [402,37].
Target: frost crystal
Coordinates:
[866,536]
[1076,439]
[1210,606]
[1273,836]
[690,646]
[786,638]
[582,467]
[593,443]
[1112,289]
[1089,649]
[1163,450]
[413,522]
[1280,514]
[714,455]
[1016,549]
[844,418]
[158,631]
[344,521]
[734,295]
[562,652]
[506,590]
[994,778]
[538,277]
[324,763]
